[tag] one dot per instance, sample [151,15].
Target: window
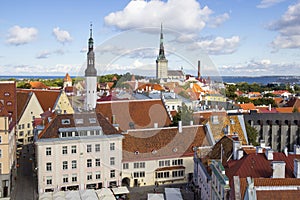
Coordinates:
[28,125]
[74,177]
[89,176]
[23,126]
[167,162]
[64,150]
[74,164]
[177,162]
[125,165]
[177,173]
[136,165]
[63,134]
[162,175]
[73,149]
[6,94]
[97,162]
[112,173]
[78,121]
[139,165]
[28,132]
[0,153]
[112,146]
[89,162]
[88,148]
[21,133]
[98,175]
[65,121]
[92,120]
[48,151]
[69,134]
[142,165]
[112,160]
[65,178]
[97,147]
[49,180]
[20,127]
[0,139]
[65,165]
[49,167]
[139,174]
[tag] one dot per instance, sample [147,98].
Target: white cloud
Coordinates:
[268,3]
[288,28]
[219,45]
[19,36]
[62,36]
[218,20]
[182,16]
[46,53]
[262,67]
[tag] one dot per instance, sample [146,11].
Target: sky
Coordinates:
[230,38]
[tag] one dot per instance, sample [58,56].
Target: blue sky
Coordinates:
[233,37]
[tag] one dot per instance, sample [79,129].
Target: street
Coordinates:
[26,186]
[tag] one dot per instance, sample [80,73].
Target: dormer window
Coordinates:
[9,103]
[154,151]
[175,150]
[78,121]
[65,121]
[92,120]
[6,94]
[136,153]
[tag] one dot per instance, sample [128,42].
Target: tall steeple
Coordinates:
[91,75]
[161,61]
[161,54]
[90,70]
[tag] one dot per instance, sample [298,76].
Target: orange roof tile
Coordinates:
[37,85]
[149,144]
[247,106]
[67,78]
[147,86]
[142,113]
[285,109]
[277,194]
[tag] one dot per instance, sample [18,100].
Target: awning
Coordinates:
[105,194]
[120,190]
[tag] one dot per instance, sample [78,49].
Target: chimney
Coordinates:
[262,143]
[259,149]
[269,154]
[191,123]
[296,149]
[155,125]
[240,154]
[278,169]
[297,168]
[270,107]
[236,146]
[199,75]
[180,126]
[285,150]
[113,119]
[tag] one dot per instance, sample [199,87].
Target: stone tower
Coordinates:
[161,61]
[91,75]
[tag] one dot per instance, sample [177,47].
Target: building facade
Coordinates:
[76,152]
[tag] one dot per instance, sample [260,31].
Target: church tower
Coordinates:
[161,61]
[91,75]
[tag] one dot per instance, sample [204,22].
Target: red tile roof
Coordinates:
[277,194]
[284,109]
[22,101]
[247,106]
[9,98]
[67,78]
[37,85]
[150,87]
[142,113]
[46,98]
[149,144]
[266,110]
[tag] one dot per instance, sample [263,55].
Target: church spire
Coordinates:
[90,70]
[91,41]
[161,54]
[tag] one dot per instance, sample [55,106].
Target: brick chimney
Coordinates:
[278,169]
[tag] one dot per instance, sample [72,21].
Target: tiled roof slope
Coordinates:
[37,85]
[277,194]
[143,113]
[46,98]
[223,120]
[148,144]
[22,101]
[51,130]
[227,144]
[9,97]
[256,165]
[3,111]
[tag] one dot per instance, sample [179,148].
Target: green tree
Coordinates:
[243,99]
[230,91]
[185,114]
[24,85]
[252,134]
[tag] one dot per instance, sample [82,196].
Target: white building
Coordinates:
[160,155]
[76,152]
